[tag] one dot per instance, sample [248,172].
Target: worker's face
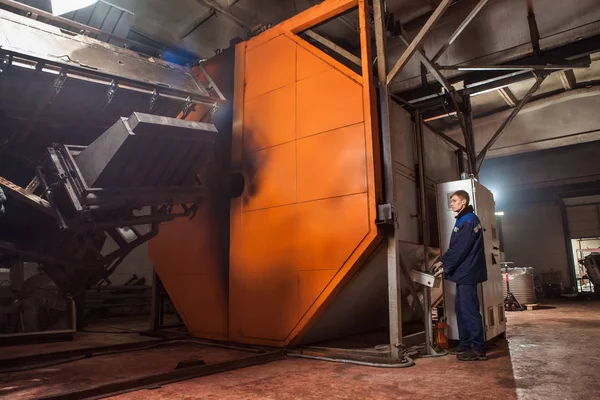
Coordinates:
[457,204]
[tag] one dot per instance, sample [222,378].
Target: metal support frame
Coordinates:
[508,96]
[424,219]
[393,265]
[225,12]
[534,32]
[460,29]
[568,79]
[508,67]
[539,78]
[567,238]
[446,137]
[433,70]
[332,46]
[418,40]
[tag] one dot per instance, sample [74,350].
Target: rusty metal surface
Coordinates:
[24,195]
[51,44]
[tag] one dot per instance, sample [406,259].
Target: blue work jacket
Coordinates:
[464,262]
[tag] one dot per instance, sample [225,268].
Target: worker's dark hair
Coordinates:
[462,195]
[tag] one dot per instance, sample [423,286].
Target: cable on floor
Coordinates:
[408,363]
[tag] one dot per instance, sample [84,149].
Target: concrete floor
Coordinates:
[551,354]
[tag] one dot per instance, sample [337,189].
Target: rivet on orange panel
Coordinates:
[327,101]
[270,177]
[269,119]
[330,230]
[332,163]
[270,66]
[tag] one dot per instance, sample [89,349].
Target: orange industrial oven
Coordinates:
[303,133]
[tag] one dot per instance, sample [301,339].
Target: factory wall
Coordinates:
[533,236]
[525,187]
[441,165]
[584,221]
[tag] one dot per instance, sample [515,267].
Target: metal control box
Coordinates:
[490,292]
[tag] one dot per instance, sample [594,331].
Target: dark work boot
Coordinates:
[471,355]
[456,350]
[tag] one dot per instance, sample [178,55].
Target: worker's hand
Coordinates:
[438,273]
[437,268]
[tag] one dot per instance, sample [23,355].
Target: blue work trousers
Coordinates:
[470,324]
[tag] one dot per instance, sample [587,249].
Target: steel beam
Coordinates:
[446,137]
[534,32]
[418,40]
[26,196]
[508,96]
[224,11]
[427,317]
[332,46]
[481,157]
[541,67]
[394,273]
[567,78]
[460,29]
[465,126]
[433,70]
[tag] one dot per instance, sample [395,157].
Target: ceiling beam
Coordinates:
[542,67]
[460,29]
[508,96]
[332,46]
[433,70]
[418,40]
[567,78]
[482,154]
[224,11]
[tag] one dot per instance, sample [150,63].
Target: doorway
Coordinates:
[582,248]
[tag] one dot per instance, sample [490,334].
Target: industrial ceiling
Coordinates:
[561,112]
[503,32]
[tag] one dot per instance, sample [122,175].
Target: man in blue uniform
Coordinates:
[464,264]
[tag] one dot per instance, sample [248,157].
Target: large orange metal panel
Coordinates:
[270,66]
[330,230]
[327,101]
[270,119]
[308,64]
[269,240]
[192,294]
[191,256]
[326,162]
[270,306]
[270,177]
[304,138]
[186,257]
[306,221]
[310,286]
